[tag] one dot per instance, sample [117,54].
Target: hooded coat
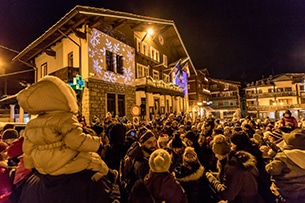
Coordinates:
[162,187]
[54,142]
[239,184]
[287,170]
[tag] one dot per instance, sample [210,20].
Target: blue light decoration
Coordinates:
[78,83]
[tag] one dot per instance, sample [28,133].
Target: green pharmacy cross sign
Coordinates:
[78,83]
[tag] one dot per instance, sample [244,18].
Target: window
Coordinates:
[70,59]
[226,87]
[270,90]
[114,101]
[109,61]
[166,78]
[121,105]
[142,71]
[165,62]
[302,87]
[119,63]
[288,89]
[154,54]
[44,70]
[111,103]
[145,71]
[114,62]
[144,49]
[138,45]
[155,75]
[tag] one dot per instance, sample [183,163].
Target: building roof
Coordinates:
[114,23]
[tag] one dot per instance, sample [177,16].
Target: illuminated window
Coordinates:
[70,59]
[44,69]
[166,78]
[154,54]
[138,45]
[155,75]
[145,71]
[144,49]
[165,62]
[139,71]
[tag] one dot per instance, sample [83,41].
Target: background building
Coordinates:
[270,97]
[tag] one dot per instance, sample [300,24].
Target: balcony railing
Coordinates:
[274,108]
[149,81]
[271,94]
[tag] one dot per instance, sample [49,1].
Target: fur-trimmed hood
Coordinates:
[196,175]
[244,160]
[47,95]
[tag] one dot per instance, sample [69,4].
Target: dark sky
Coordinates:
[239,40]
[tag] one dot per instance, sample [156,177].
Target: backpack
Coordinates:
[127,175]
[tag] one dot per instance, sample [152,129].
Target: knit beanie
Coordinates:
[3,146]
[191,136]
[159,161]
[177,142]
[220,145]
[240,139]
[148,134]
[190,156]
[276,135]
[10,134]
[295,139]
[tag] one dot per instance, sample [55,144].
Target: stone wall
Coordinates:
[97,97]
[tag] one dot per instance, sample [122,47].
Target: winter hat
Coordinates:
[48,94]
[10,134]
[276,135]
[220,145]
[191,136]
[159,161]
[240,139]
[116,134]
[295,139]
[189,156]
[177,142]
[3,146]
[148,134]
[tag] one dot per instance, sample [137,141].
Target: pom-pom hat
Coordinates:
[159,161]
[220,145]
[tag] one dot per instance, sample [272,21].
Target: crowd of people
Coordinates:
[59,157]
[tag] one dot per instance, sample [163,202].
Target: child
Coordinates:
[54,141]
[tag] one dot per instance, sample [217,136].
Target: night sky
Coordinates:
[241,40]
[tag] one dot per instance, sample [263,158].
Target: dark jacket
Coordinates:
[239,184]
[160,187]
[194,182]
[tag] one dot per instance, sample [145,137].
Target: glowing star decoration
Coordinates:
[100,44]
[128,75]
[130,56]
[110,77]
[116,48]
[109,45]
[95,38]
[97,67]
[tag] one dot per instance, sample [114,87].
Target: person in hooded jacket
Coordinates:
[241,141]
[64,158]
[191,176]
[287,169]
[159,185]
[237,183]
